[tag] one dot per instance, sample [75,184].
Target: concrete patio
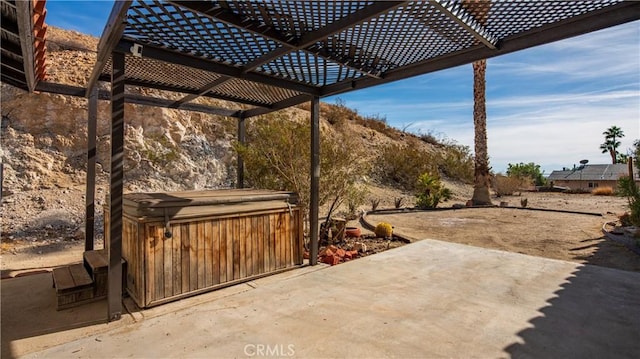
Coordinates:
[427,299]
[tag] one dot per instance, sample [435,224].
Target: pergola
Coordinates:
[273,54]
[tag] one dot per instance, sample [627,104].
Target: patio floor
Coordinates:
[426,299]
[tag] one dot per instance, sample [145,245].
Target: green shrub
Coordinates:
[456,162]
[399,166]
[355,198]
[430,191]
[530,170]
[627,187]
[277,156]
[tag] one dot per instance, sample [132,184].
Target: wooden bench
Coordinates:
[73,286]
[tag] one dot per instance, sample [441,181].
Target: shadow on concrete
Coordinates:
[597,310]
[29,311]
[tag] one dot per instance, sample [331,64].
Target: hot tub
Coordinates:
[184,243]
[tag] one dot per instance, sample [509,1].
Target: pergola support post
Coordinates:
[314,232]
[242,134]
[92,119]
[114,292]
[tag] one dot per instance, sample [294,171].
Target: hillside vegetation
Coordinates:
[44,139]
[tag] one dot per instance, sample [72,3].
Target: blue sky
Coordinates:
[547,105]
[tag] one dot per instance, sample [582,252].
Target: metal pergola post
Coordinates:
[92,120]
[114,292]
[314,232]
[242,139]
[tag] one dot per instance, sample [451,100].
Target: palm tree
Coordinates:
[482,183]
[610,144]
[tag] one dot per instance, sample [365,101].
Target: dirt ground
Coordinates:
[565,236]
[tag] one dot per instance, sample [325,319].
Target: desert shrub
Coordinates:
[602,191]
[627,187]
[398,202]
[339,113]
[355,198]
[527,170]
[508,185]
[430,191]
[277,156]
[399,165]
[384,230]
[625,219]
[375,202]
[430,138]
[455,161]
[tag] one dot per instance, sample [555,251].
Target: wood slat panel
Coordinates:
[286,238]
[280,242]
[176,251]
[236,248]
[260,244]
[216,251]
[167,247]
[185,258]
[201,254]
[272,242]
[158,245]
[193,256]
[208,253]
[223,251]
[242,242]
[228,227]
[255,235]
[151,264]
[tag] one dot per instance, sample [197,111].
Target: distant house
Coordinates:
[591,176]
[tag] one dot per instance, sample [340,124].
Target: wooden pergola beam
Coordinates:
[25,28]
[68,90]
[109,39]
[92,122]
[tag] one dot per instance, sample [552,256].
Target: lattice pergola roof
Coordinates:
[273,54]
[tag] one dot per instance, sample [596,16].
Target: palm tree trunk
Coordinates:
[481,195]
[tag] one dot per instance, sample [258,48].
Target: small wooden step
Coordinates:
[73,286]
[96,263]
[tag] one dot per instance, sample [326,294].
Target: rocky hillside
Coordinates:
[44,139]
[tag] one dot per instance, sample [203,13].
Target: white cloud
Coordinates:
[547,105]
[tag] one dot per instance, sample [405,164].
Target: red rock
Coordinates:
[330,260]
[341,252]
[305,255]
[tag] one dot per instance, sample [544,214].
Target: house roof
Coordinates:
[608,172]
